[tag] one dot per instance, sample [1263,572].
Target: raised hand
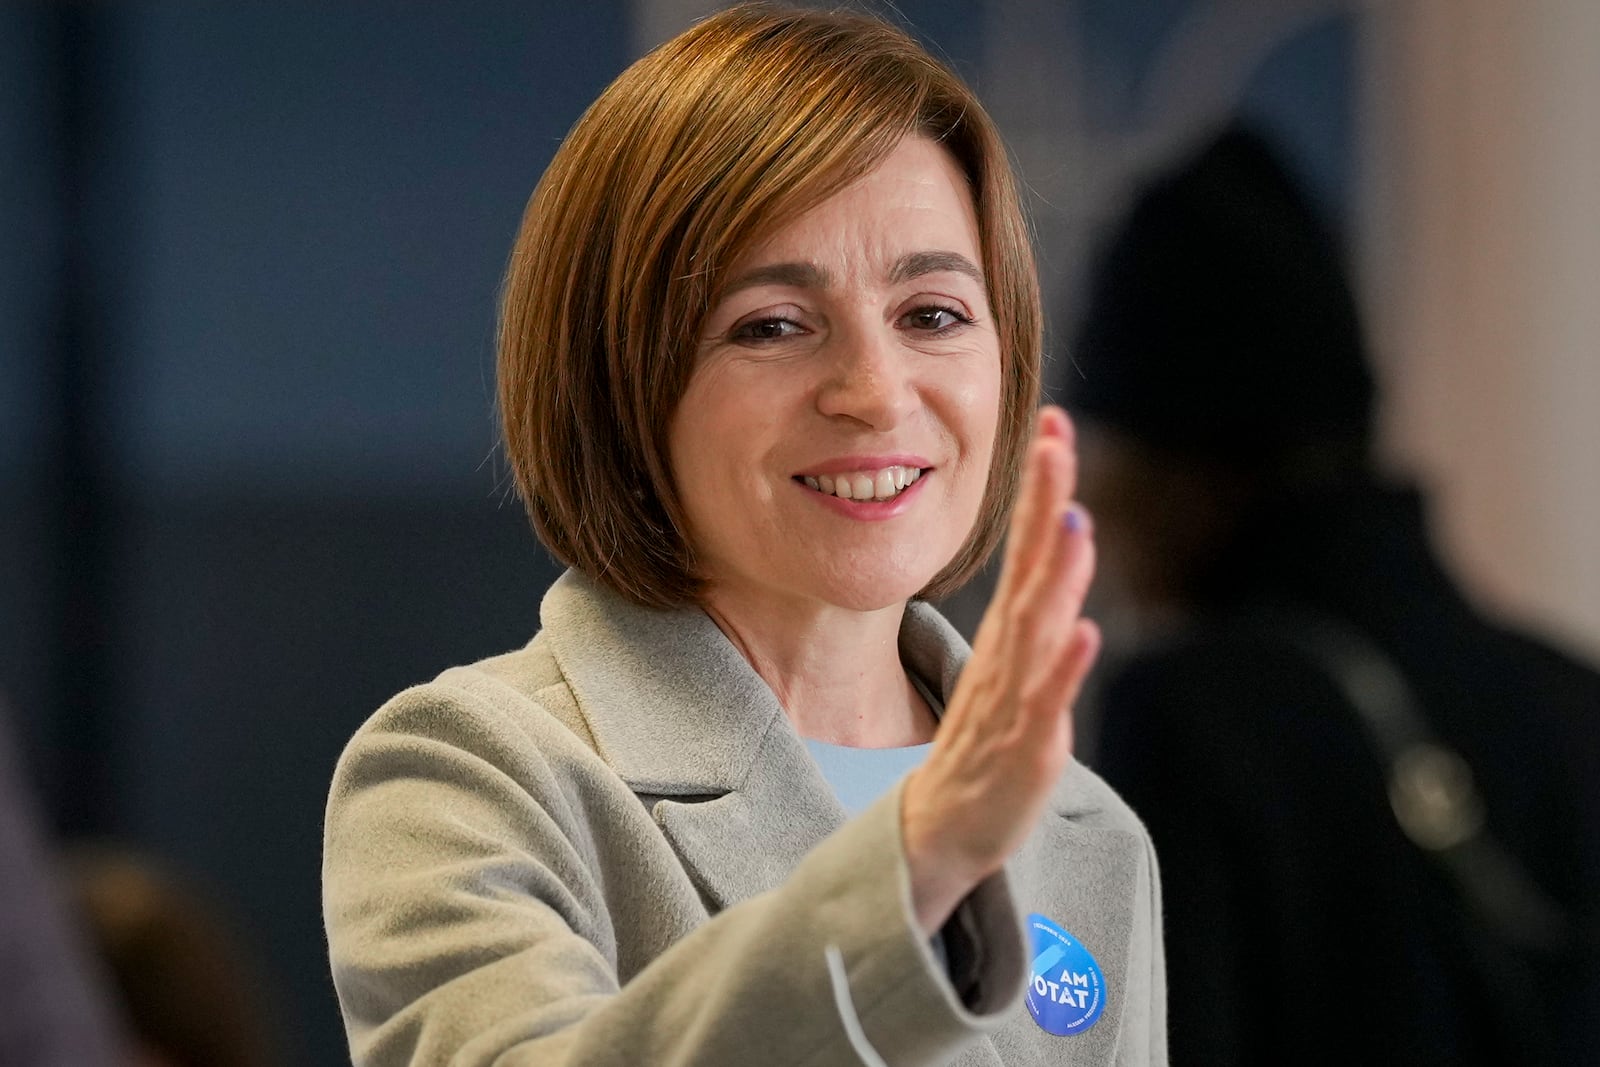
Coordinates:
[1006,735]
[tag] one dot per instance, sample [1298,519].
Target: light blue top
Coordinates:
[860,776]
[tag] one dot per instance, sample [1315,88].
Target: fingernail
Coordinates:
[1074,519]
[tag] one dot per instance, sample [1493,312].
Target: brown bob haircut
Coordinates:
[691,157]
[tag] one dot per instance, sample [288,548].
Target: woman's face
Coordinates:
[834,440]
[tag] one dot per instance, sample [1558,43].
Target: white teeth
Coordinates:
[865,485]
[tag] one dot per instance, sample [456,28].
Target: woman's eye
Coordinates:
[765,330]
[933,319]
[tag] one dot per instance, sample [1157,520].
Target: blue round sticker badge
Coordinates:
[1066,989]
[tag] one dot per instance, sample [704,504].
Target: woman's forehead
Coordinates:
[911,215]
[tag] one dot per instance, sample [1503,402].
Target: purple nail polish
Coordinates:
[1073,519]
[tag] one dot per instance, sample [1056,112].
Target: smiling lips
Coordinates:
[884,483]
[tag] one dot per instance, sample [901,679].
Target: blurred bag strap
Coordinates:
[1432,791]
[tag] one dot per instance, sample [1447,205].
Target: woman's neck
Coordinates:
[837,672]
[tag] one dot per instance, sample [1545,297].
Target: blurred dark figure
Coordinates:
[53,1012]
[1375,812]
[189,996]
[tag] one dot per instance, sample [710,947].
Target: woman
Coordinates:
[768,364]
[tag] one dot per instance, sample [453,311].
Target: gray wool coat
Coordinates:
[611,848]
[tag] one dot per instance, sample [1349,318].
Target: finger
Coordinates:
[1053,422]
[1060,688]
[1029,493]
[1069,436]
[1041,617]
[1046,708]
[1077,574]
[1046,625]
[1055,440]
[1031,523]
[1032,527]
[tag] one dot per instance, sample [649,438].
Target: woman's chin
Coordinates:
[852,579]
[868,591]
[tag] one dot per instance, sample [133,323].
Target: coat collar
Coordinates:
[674,708]
[680,715]
[685,721]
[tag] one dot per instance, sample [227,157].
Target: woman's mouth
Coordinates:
[885,483]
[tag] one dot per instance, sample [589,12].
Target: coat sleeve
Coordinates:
[457,877]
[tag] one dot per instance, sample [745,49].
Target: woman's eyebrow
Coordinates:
[801,275]
[795,275]
[916,264]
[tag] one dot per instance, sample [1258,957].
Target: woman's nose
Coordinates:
[869,380]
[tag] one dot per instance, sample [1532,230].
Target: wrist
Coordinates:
[939,881]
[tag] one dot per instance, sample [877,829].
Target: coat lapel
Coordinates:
[687,723]
[747,842]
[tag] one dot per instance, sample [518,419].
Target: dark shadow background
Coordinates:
[248,485]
